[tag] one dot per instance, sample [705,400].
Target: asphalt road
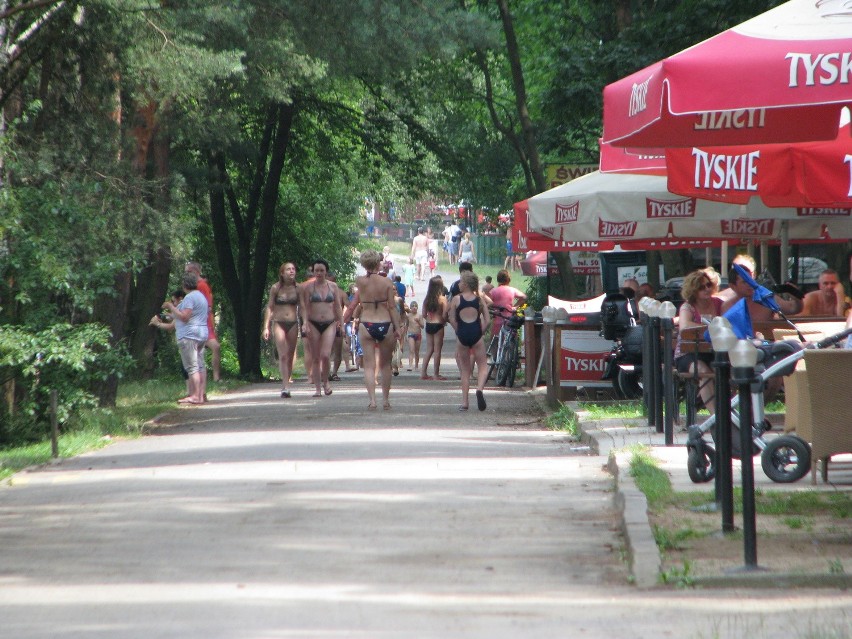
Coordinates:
[260,518]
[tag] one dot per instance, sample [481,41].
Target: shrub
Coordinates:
[72,360]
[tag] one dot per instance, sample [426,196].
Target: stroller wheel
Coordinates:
[700,463]
[786,459]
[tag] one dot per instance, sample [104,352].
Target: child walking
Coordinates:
[415,336]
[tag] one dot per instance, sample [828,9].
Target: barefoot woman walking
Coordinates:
[377,322]
[282,317]
[321,319]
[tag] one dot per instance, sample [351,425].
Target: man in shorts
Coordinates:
[420,253]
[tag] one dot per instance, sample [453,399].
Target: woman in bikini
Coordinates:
[377,322]
[282,314]
[321,319]
[468,315]
[434,307]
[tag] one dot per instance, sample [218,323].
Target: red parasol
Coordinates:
[806,174]
[780,77]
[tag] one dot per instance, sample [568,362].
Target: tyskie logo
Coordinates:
[741,228]
[567,214]
[657,209]
[638,98]
[616,230]
[823,212]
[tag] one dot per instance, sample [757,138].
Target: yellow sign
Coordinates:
[557,174]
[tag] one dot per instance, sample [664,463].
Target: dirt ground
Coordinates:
[816,543]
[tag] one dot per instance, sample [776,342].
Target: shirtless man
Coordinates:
[420,253]
[829,300]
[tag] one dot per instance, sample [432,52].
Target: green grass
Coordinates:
[563,419]
[137,404]
[623,410]
[650,478]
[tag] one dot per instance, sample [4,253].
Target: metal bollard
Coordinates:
[743,358]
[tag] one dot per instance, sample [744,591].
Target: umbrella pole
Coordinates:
[785,250]
[725,258]
[764,255]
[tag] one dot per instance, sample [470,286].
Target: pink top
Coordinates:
[503,296]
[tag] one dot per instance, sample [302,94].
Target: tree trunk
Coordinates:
[150,160]
[149,292]
[244,259]
[527,128]
[112,311]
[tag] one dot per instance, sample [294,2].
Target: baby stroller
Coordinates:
[784,459]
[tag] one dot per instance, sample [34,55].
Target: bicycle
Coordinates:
[505,344]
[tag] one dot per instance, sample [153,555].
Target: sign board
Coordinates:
[557,174]
[582,358]
[638,273]
[586,263]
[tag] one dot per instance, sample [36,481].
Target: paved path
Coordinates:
[254,517]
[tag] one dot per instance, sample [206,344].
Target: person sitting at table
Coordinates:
[789,302]
[829,300]
[697,310]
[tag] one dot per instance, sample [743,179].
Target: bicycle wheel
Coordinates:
[513,369]
[493,347]
[506,364]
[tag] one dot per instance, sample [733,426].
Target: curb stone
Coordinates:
[643,555]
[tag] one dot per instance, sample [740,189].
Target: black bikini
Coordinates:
[286,324]
[287,301]
[283,300]
[328,299]
[433,327]
[321,326]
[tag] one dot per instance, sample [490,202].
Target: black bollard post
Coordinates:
[657,399]
[668,378]
[724,467]
[647,369]
[744,357]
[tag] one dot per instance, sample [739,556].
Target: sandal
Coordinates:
[387,406]
[463,408]
[327,391]
[317,395]
[285,394]
[334,378]
[440,378]
[371,407]
[480,400]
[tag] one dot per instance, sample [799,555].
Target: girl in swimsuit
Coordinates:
[468,315]
[434,308]
[377,322]
[282,314]
[321,318]
[415,336]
